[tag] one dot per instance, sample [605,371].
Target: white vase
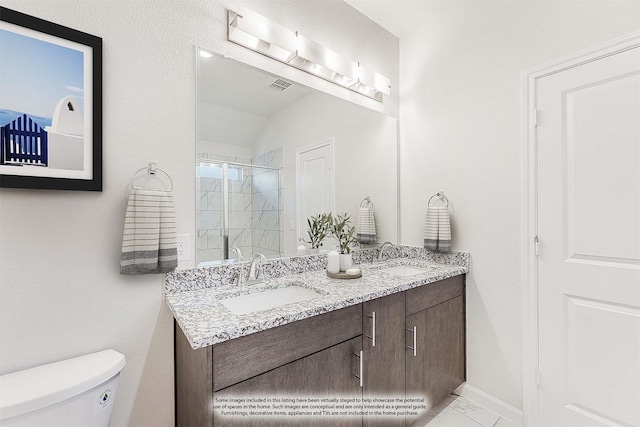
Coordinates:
[346,261]
[333,262]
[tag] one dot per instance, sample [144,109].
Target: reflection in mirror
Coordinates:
[271,153]
[238,211]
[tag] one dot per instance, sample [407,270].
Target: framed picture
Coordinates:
[50,105]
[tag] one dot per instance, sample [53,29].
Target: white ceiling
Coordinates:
[228,84]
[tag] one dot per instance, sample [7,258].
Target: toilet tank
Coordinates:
[73,392]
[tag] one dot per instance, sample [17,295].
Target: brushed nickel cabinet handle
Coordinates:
[361,376]
[414,330]
[373,329]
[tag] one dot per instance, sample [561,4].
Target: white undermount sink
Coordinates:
[404,270]
[258,301]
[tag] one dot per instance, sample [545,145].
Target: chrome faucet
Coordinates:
[382,248]
[236,250]
[240,278]
[255,269]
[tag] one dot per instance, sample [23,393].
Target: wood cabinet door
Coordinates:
[328,373]
[438,365]
[383,345]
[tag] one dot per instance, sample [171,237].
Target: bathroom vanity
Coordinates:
[398,331]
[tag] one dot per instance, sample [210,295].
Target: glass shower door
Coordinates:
[209,213]
[266,212]
[238,207]
[238,218]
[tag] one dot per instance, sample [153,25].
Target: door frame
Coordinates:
[530,330]
[299,151]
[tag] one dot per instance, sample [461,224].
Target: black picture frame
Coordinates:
[33,168]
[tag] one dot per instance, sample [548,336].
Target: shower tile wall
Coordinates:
[209,213]
[268,213]
[208,219]
[240,230]
[255,214]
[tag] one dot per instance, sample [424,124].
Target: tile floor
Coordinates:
[458,411]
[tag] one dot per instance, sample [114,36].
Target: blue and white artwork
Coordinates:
[42,104]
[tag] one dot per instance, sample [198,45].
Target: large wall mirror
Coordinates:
[270,153]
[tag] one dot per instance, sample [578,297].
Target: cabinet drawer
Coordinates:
[330,372]
[245,357]
[434,293]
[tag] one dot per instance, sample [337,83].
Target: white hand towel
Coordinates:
[437,229]
[149,243]
[366,227]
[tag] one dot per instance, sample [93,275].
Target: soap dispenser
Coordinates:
[302,248]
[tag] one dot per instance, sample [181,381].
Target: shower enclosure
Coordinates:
[237,207]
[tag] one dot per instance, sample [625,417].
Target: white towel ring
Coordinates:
[440,195]
[151,169]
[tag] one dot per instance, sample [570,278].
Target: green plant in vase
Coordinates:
[318,229]
[344,232]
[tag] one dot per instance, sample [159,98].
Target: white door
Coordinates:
[588,139]
[314,183]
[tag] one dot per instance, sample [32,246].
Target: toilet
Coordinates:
[73,392]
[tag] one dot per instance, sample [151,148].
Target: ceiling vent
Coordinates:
[280,85]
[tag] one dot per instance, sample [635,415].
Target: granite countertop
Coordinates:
[205,321]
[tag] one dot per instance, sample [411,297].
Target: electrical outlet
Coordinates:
[184,247]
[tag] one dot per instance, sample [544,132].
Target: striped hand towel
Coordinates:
[149,243]
[366,229]
[437,229]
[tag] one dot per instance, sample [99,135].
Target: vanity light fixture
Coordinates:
[258,33]
[316,59]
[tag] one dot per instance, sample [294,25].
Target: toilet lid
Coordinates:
[32,389]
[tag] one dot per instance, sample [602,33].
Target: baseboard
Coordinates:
[493,404]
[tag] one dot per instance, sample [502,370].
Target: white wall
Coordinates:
[460,131]
[209,118]
[215,150]
[365,153]
[60,291]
